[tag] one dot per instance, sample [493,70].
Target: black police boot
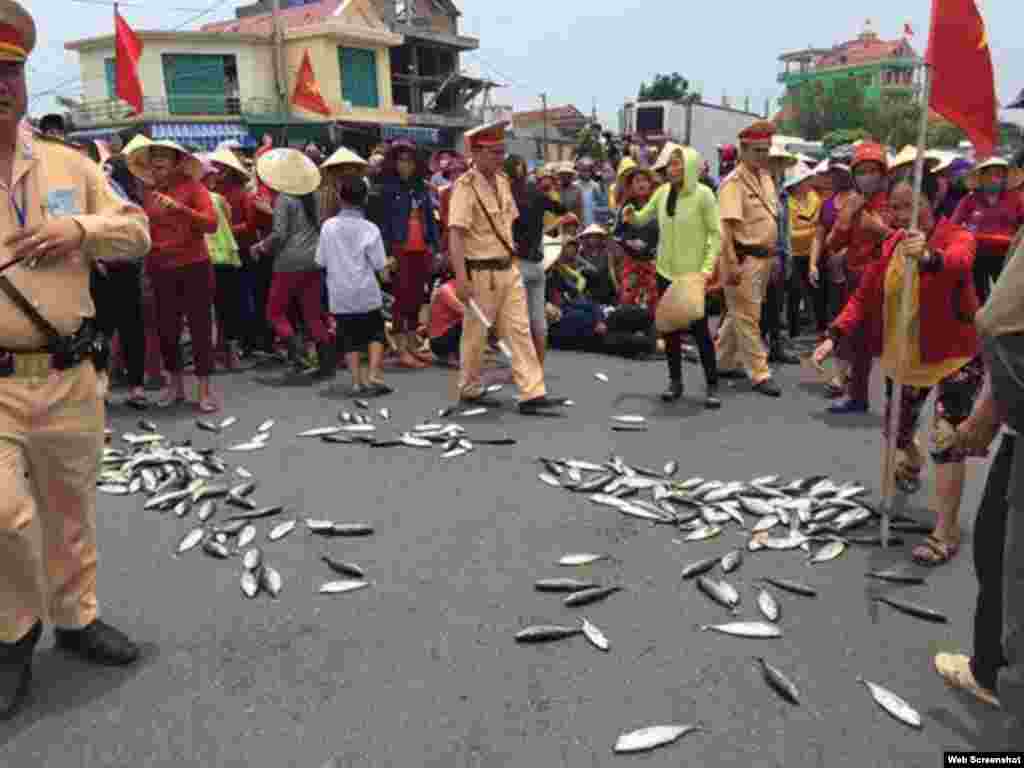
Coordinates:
[327,357]
[16,671]
[674,391]
[99,643]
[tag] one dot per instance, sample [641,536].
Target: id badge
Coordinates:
[61,202]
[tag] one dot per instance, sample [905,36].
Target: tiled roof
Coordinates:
[261,24]
[866,49]
[556,115]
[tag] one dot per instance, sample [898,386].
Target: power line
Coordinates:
[111,3]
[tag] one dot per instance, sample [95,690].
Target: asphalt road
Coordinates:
[421,668]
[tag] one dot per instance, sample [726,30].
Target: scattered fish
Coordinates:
[266,426]
[342,568]
[768,605]
[792,586]
[216,549]
[282,530]
[247,447]
[703,534]
[896,577]
[745,629]
[246,536]
[341,587]
[722,593]
[474,412]
[257,514]
[595,635]
[601,377]
[385,413]
[700,567]
[779,682]
[652,737]
[271,581]
[114,489]
[229,421]
[828,552]
[580,559]
[546,633]
[563,585]
[914,609]
[320,432]
[629,419]
[892,704]
[206,510]
[250,584]
[671,468]
[191,540]
[243,473]
[207,426]
[732,560]
[253,559]
[364,404]
[588,596]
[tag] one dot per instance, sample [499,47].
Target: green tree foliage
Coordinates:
[840,138]
[664,88]
[588,144]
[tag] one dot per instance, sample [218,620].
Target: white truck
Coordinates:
[694,123]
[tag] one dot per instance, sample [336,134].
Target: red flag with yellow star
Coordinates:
[963,86]
[307,91]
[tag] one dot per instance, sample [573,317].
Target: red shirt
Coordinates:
[994,226]
[862,245]
[179,237]
[445,311]
[947,298]
[243,216]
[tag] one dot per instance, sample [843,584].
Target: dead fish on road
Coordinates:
[266,426]
[768,606]
[595,635]
[271,581]
[913,609]
[703,534]
[206,510]
[896,577]
[652,737]
[549,479]
[250,584]
[207,426]
[343,568]
[191,540]
[252,559]
[473,412]
[744,629]
[563,585]
[601,377]
[719,591]
[779,682]
[791,586]
[246,447]
[229,421]
[113,489]
[629,418]
[320,432]
[892,704]
[385,413]
[699,567]
[546,633]
[246,537]
[580,559]
[282,530]
[257,514]
[216,549]
[731,561]
[341,587]
[830,551]
[243,473]
[588,596]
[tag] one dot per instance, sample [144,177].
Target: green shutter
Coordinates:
[195,84]
[359,77]
[111,72]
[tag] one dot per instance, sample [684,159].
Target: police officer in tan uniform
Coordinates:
[748,208]
[58,214]
[482,256]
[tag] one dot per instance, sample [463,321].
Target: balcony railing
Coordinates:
[180,105]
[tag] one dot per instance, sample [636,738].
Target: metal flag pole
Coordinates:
[889,476]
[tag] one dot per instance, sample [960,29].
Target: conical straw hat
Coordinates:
[230,160]
[288,171]
[139,160]
[344,156]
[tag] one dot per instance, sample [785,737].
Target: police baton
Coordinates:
[489,326]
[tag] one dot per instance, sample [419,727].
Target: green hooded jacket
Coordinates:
[690,240]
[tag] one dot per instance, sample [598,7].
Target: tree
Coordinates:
[588,144]
[841,138]
[664,88]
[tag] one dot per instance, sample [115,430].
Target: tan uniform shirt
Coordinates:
[52,179]
[1003,313]
[748,202]
[466,214]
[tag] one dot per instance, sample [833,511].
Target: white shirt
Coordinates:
[352,251]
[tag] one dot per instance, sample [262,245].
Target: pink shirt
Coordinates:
[445,311]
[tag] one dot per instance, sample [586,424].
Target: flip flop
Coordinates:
[209,405]
[955,670]
[935,552]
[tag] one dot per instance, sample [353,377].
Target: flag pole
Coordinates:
[889,478]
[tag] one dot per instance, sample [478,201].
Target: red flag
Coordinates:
[962,80]
[129,51]
[307,91]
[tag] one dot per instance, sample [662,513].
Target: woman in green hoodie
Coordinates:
[689,239]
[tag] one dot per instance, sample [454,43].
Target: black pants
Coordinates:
[261,334]
[987,268]
[821,301]
[228,303]
[771,313]
[798,291]
[706,348]
[118,299]
[630,332]
[989,541]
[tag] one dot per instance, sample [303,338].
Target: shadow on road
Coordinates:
[61,683]
[848,420]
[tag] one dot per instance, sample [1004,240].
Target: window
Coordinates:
[110,68]
[197,83]
[359,77]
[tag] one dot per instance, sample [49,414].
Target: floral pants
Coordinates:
[956,395]
[639,283]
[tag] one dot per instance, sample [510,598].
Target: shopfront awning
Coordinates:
[415,133]
[204,135]
[97,134]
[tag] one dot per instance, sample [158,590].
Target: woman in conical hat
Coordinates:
[181,214]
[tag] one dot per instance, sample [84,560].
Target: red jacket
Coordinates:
[994,226]
[179,237]
[243,216]
[947,298]
[862,246]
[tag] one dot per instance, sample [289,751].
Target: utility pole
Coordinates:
[280,74]
[544,103]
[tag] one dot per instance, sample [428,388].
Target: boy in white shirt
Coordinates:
[352,252]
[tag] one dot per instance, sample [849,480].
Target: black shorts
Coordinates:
[357,332]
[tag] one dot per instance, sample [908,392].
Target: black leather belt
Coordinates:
[488,265]
[753,251]
[69,352]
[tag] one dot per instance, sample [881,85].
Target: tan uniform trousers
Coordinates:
[739,338]
[502,298]
[51,443]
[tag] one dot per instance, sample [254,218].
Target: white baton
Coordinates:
[488,325]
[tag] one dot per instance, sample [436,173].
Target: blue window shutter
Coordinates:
[110,66]
[195,84]
[359,77]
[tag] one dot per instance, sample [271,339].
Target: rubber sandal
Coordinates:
[209,405]
[934,552]
[955,670]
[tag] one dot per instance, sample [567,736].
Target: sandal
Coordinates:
[907,477]
[955,669]
[935,551]
[209,405]
[834,389]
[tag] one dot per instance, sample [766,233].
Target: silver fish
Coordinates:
[595,635]
[320,526]
[629,418]
[585,466]
[229,421]
[893,704]
[652,737]
[691,484]
[246,447]
[550,479]
[385,413]
[454,453]
[250,584]
[766,523]
[114,489]
[243,473]
[216,549]
[181,508]
[342,568]
[732,560]
[473,412]
[243,489]
[142,439]
[246,536]
[201,470]
[719,591]
[221,538]
[281,530]
[768,605]
[271,581]
[830,551]
[607,500]
[671,468]
[341,587]
[266,426]
[358,428]
[745,629]
[319,432]
[135,485]
[765,480]
[546,633]
[779,682]
[635,510]
[415,442]
[601,377]
[699,567]
[191,540]
[149,480]
[252,559]
[793,541]
[714,516]
[580,559]
[703,533]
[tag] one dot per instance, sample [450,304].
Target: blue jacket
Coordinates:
[395,201]
[579,318]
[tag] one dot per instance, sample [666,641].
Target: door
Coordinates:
[359,77]
[195,84]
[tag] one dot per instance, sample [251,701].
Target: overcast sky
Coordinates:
[585,51]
